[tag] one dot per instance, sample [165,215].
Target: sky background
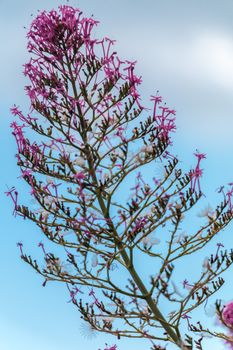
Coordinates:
[184,49]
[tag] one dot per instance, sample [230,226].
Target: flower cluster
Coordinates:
[227,319]
[228,314]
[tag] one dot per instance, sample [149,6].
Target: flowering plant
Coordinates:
[90,136]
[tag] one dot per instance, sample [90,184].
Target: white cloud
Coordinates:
[204,57]
[213,54]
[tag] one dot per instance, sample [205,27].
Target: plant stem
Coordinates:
[159,317]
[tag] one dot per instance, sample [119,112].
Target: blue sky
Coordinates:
[184,49]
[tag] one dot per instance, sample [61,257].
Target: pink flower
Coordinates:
[15,110]
[20,245]
[157,100]
[79,176]
[229,198]
[197,172]
[113,347]
[227,317]
[228,314]
[14,196]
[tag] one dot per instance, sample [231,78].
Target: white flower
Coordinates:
[207,212]
[80,161]
[206,263]
[179,238]
[45,214]
[159,172]
[64,118]
[150,240]
[109,319]
[87,331]
[144,308]
[113,120]
[49,200]
[147,149]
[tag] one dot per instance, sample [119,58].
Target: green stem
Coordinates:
[159,317]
